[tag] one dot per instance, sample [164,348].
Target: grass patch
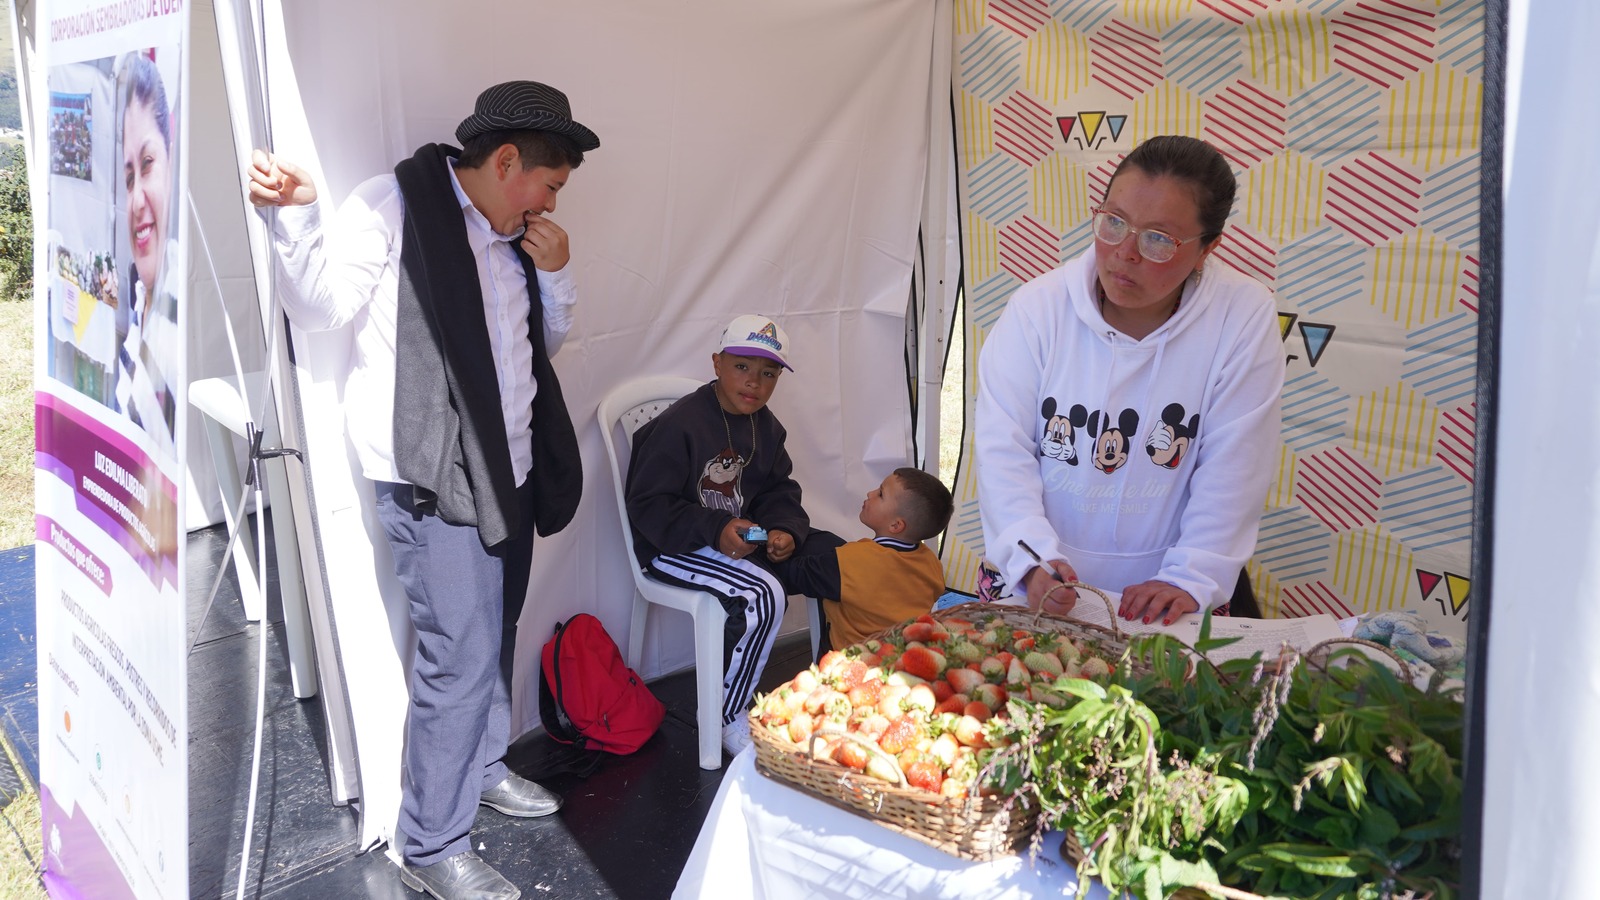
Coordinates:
[16,425]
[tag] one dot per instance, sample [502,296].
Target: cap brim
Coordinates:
[762,352]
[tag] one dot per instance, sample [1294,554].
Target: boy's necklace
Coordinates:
[728,430]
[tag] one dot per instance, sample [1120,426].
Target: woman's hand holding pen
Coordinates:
[1047,590]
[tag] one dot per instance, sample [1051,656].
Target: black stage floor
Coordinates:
[624,832]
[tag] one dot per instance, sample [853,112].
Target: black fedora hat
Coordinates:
[515,105]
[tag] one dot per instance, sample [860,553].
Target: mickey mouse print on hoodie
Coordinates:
[1179,431]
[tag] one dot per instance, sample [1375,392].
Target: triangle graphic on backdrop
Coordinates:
[1116,123]
[1460,591]
[1286,322]
[1066,126]
[1316,337]
[1091,123]
[1427,581]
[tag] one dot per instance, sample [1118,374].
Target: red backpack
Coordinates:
[588,695]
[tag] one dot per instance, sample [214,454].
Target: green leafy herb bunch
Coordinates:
[1285,777]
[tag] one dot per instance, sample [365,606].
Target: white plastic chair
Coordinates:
[628,407]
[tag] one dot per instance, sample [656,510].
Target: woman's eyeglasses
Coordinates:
[1155,246]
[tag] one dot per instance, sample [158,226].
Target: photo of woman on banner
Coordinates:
[152,350]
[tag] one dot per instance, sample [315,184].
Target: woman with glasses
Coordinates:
[1128,403]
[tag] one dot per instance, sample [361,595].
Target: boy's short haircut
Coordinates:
[925,503]
[536,148]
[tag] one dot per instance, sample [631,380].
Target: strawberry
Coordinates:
[891,703]
[944,749]
[961,652]
[851,755]
[1043,662]
[850,675]
[901,733]
[957,626]
[806,681]
[1023,641]
[926,617]
[1005,657]
[952,789]
[922,662]
[872,725]
[772,707]
[1038,693]
[994,671]
[800,728]
[1017,672]
[990,695]
[866,694]
[921,697]
[955,704]
[926,774]
[825,748]
[969,731]
[794,702]
[991,639]
[1068,651]
[821,700]
[882,769]
[906,679]
[962,681]
[871,659]
[1095,667]
[978,710]
[831,659]
[925,632]
[942,690]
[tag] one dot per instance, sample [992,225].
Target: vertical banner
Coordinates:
[1353,129]
[110,390]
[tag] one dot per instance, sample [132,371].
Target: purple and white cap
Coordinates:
[757,336]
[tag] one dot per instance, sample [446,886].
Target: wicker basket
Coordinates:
[977,828]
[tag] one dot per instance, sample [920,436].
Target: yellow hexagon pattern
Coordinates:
[1283,196]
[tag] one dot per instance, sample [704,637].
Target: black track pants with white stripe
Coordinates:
[754,601]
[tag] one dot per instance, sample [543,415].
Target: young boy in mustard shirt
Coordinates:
[868,585]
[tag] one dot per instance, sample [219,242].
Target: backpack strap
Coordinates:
[552,709]
[575,762]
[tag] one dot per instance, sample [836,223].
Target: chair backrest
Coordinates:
[626,409]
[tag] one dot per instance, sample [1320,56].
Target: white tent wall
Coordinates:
[756,157]
[221,286]
[1543,684]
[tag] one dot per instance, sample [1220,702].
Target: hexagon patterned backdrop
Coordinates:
[1353,127]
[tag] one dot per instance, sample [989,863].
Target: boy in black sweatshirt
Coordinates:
[703,473]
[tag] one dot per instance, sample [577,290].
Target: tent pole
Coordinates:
[938,233]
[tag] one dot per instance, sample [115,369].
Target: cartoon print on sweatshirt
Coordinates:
[719,483]
[1059,431]
[1169,441]
[1112,441]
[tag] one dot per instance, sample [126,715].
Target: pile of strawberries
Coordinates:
[920,700]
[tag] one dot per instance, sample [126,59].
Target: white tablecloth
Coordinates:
[767,841]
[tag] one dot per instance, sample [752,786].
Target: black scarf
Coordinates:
[449,434]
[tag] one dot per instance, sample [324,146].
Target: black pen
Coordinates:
[1036,558]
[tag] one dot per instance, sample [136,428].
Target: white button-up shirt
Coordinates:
[349,275]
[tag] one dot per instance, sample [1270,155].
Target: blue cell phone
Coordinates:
[755,534]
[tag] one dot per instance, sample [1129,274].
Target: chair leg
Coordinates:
[708,687]
[641,618]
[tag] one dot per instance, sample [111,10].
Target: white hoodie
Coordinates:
[1132,460]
